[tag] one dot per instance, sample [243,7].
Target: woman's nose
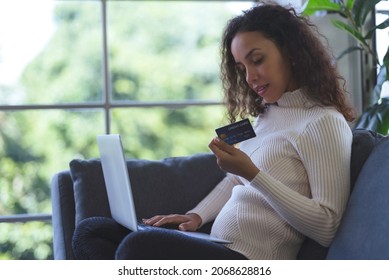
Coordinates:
[251,76]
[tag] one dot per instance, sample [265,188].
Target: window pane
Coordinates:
[33,146]
[26,241]
[50,51]
[36,144]
[160,133]
[161,50]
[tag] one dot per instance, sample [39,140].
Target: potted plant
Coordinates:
[355,14]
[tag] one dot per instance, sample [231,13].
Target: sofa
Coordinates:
[175,185]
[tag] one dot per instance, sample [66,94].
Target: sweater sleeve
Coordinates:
[325,150]
[211,205]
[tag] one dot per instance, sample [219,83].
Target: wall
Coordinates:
[350,65]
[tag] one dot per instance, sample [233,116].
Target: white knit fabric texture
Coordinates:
[303,152]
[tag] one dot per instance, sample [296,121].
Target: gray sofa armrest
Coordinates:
[63,215]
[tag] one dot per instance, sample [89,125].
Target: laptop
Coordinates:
[118,184]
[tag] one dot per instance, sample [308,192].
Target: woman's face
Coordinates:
[267,71]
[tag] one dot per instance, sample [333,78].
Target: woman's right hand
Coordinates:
[188,222]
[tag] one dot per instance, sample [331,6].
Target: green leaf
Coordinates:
[361,9]
[350,4]
[376,118]
[367,121]
[313,6]
[363,120]
[347,51]
[381,78]
[386,64]
[383,128]
[371,32]
[383,117]
[351,30]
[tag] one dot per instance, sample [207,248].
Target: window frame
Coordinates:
[107,105]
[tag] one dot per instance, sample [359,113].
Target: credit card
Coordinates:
[236,132]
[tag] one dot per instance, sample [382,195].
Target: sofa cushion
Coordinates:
[90,196]
[171,185]
[363,143]
[364,230]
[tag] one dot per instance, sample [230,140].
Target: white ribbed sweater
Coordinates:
[303,153]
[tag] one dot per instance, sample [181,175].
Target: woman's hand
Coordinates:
[232,160]
[188,222]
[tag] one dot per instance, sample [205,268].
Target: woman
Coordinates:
[289,182]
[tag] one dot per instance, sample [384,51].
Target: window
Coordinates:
[70,70]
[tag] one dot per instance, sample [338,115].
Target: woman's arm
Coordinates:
[325,150]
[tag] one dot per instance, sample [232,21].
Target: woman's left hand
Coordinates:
[232,160]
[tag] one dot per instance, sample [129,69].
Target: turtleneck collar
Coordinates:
[294,98]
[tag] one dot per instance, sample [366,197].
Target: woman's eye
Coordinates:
[258,61]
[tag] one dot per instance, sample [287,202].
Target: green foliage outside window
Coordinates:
[158,52]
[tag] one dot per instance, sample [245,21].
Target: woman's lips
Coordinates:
[261,90]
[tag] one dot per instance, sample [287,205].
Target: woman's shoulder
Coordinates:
[327,120]
[327,114]
[318,116]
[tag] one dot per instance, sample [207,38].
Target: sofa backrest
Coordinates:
[364,230]
[362,233]
[363,143]
[170,185]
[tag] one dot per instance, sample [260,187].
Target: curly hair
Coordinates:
[313,67]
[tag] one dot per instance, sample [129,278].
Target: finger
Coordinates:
[159,219]
[170,220]
[223,146]
[152,220]
[187,226]
[216,148]
[213,148]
